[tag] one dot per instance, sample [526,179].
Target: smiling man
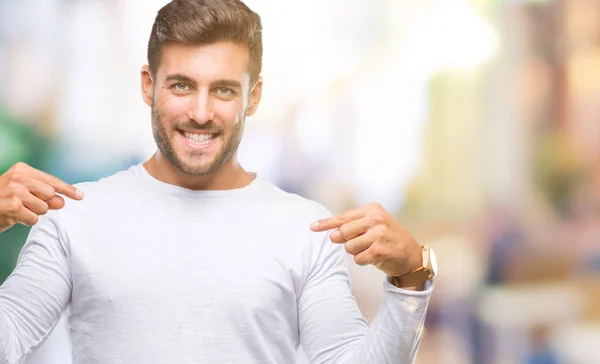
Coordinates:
[188,258]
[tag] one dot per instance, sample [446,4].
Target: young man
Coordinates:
[188,258]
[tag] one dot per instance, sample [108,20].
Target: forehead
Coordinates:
[206,62]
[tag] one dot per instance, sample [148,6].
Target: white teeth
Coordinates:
[198,139]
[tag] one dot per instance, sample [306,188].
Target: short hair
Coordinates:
[206,22]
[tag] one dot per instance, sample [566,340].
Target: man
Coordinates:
[188,258]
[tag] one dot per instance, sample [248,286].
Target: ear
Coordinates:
[147,85]
[255,96]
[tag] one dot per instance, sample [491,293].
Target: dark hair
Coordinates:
[206,22]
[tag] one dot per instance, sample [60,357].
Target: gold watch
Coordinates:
[425,272]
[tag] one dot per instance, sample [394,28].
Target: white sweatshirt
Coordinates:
[154,273]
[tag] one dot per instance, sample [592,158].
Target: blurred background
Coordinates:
[475,122]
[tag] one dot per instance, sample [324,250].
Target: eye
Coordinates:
[181,86]
[224,91]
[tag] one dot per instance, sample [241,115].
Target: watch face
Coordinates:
[433,260]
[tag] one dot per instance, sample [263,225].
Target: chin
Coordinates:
[193,168]
[197,170]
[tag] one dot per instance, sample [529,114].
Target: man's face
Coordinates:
[200,98]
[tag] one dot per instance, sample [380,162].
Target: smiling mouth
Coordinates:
[198,139]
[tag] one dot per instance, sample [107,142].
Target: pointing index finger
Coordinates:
[326,224]
[58,185]
[336,221]
[67,190]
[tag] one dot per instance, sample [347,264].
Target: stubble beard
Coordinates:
[192,163]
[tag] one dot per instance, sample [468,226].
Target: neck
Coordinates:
[230,176]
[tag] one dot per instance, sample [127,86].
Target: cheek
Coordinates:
[172,109]
[230,113]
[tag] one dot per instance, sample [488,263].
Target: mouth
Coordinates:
[198,140]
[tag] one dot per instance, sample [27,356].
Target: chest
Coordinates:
[199,273]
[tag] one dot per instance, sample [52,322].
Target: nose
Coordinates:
[200,109]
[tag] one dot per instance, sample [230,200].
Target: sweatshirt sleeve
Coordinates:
[36,294]
[332,329]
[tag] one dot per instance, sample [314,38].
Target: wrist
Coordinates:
[417,278]
[415,260]
[396,283]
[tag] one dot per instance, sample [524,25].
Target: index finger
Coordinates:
[59,186]
[338,220]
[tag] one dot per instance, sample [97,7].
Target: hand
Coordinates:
[374,237]
[26,193]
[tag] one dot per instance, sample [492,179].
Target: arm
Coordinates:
[36,294]
[38,291]
[332,329]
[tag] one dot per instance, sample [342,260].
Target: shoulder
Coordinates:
[294,205]
[111,188]
[117,179]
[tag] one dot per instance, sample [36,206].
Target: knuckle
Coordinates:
[17,176]
[376,219]
[376,251]
[49,192]
[44,208]
[14,205]
[378,234]
[19,167]
[14,189]
[343,231]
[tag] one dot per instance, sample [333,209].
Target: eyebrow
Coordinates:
[178,77]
